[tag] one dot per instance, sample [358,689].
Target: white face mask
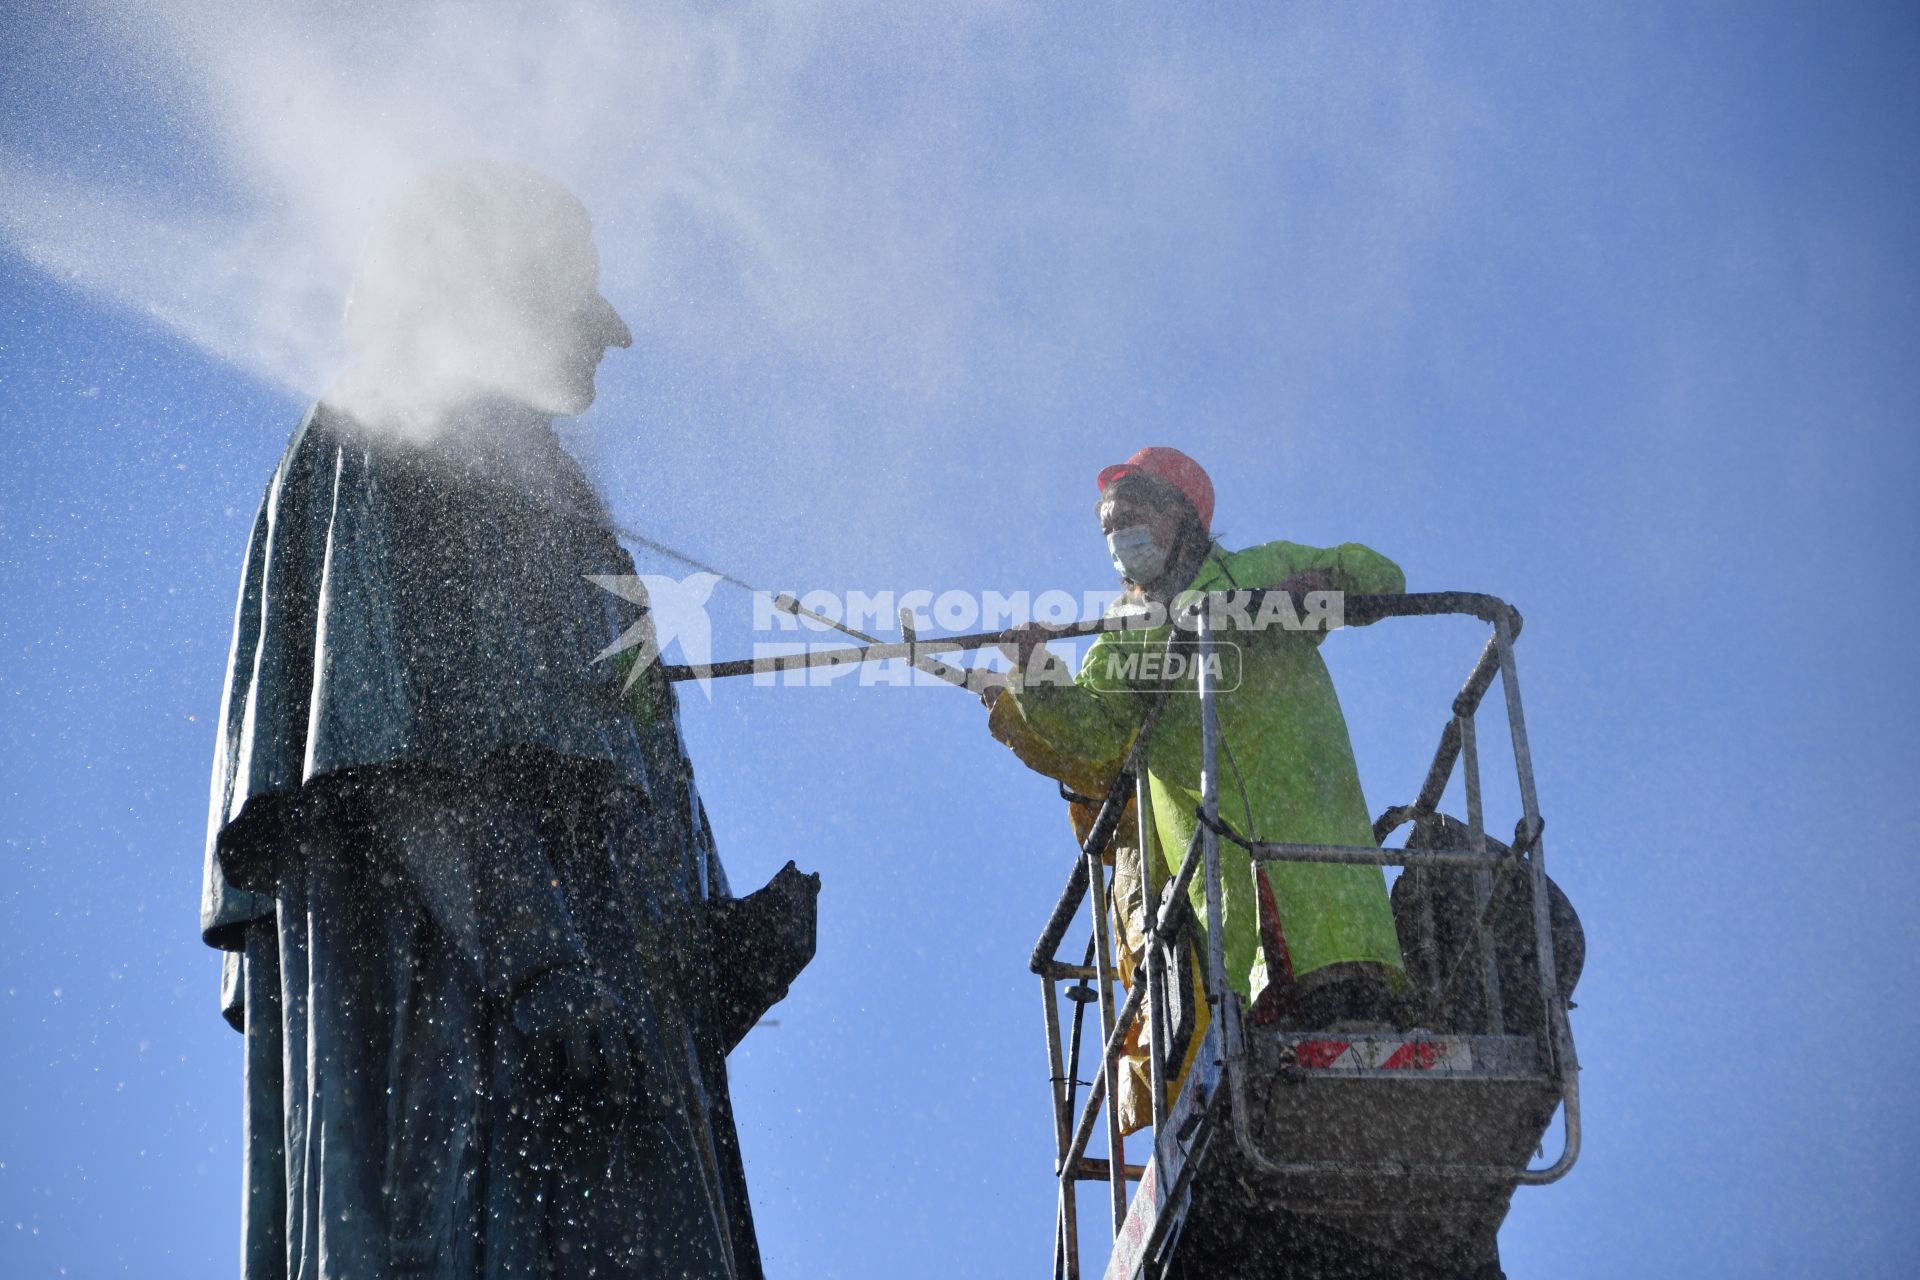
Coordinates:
[1136,554]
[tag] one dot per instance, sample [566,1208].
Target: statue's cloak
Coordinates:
[428,785]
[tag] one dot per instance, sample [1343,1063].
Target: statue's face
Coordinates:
[484,275]
[551,351]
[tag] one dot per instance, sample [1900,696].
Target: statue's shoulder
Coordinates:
[302,493]
[327,442]
[325,430]
[312,443]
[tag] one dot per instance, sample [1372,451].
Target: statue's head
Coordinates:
[482,277]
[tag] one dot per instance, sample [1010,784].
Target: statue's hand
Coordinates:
[571,1013]
[796,890]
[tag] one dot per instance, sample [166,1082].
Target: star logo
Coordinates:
[671,610]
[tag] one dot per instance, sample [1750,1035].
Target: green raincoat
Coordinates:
[1290,755]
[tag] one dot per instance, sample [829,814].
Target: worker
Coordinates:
[1309,945]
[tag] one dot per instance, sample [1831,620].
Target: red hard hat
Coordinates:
[1176,468]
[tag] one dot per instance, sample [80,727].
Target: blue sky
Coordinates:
[1609,312]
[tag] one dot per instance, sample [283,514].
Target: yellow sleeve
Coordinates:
[1078,732]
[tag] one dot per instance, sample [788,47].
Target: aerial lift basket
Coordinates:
[1302,1152]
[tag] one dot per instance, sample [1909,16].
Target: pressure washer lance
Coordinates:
[924,654]
[914,650]
[1357,611]
[932,666]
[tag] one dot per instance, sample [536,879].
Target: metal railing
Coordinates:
[1170,924]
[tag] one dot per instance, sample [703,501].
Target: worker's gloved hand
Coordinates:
[1313,615]
[570,1014]
[1299,584]
[1021,641]
[1019,646]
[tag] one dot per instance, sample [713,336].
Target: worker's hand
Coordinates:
[1299,584]
[1021,641]
[571,1014]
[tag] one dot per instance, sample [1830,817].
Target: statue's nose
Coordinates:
[612,329]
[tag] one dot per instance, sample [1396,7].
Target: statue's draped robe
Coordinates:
[428,792]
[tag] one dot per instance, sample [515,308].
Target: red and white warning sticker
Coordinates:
[1384,1053]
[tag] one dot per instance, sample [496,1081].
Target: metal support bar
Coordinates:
[1061,918]
[1439,771]
[1165,929]
[1109,1051]
[1104,984]
[1117,1038]
[1083,1131]
[1094,1169]
[1443,994]
[1217,988]
[1057,1070]
[1152,971]
[1169,924]
[1104,823]
[1480,679]
[1359,855]
[1530,817]
[1565,1063]
[1482,881]
[1065,972]
[1071,1082]
[1066,1261]
[1465,703]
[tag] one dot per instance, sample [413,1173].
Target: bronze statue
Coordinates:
[476,934]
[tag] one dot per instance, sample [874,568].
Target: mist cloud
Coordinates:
[806,174]
[835,230]
[680,130]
